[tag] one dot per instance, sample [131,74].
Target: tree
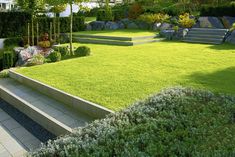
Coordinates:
[70,2]
[31,6]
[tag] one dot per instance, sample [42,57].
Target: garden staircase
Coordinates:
[206,36]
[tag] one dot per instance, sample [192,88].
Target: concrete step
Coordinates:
[204,39]
[209,29]
[207,33]
[202,42]
[53,115]
[196,35]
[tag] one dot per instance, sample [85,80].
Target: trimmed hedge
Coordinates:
[176,122]
[228,10]
[14,24]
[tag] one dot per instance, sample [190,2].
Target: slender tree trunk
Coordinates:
[50,31]
[58,22]
[37,33]
[71,28]
[28,33]
[54,25]
[32,20]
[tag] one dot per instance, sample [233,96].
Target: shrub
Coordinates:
[82,51]
[186,21]
[176,122]
[4,73]
[152,18]
[9,42]
[227,10]
[104,15]
[44,44]
[135,11]
[63,50]
[8,60]
[55,56]
[36,60]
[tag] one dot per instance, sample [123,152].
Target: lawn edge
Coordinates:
[92,109]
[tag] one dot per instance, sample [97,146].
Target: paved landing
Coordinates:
[15,140]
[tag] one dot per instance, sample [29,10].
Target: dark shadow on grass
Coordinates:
[224,46]
[220,81]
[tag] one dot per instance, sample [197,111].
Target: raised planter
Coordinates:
[93,110]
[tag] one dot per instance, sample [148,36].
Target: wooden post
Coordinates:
[37,33]
[28,33]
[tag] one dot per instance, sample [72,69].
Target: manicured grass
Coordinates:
[120,33]
[116,76]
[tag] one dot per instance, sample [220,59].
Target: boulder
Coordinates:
[142,25]
[168,34]
[88,27]
[180,34]
[231,38]
[156,26]
[209,22]
[111,26]
[228,21]
[165,26]
[120,25]
[97,25]
[132,25]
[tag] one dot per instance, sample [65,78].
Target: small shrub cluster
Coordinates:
[233,27]
[152,18]
[176,122]
[82,51]
[10,42]
[44,44]
[63,50]
[8,59]
[55,56]
[36,60]
[4,73]
[185,21]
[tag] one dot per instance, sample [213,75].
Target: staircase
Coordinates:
[206,36]
[112,40]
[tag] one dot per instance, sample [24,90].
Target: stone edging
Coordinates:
[79,104]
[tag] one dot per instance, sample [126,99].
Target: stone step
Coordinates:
[204,39]
[113,42]
[82,36]
[205,36]
[209,29]
[202,42]
[207,33]
[53,115]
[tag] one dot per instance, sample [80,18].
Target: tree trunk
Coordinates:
[28,33]
[37,32]
[58,22]
[54,25]
[32,20]
[71,29]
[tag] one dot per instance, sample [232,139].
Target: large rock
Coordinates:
[132,25]
[231,38]
[228,21]
[168,34]
[142,25]
[209,22]
[120,25]
[88,27]
[97,25]
[111,26]
[165,26]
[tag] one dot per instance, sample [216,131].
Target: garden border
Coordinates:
[77,103]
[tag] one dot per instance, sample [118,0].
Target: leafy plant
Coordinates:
[63,50]
[176,122]
[8,60]
[185,20]
[82,51]
[4,73]
[233,27]
[152,18]
[36,60]
[55,56]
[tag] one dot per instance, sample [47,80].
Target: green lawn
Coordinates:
[119,33]
[116,76]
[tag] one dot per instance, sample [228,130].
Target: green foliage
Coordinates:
[152,18]
[185,21]
[63,50]
[55,56]
[9,42]
[4,73]
[226,10]
[17,26]
[104,15]
[36,60]
[82,51]
[8,60]
[177,122]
